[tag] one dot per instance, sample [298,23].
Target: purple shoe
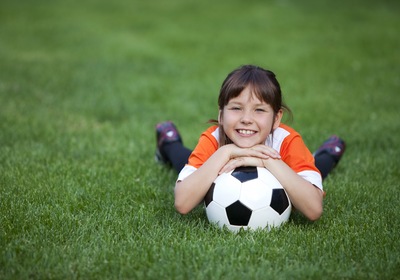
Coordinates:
[166,132]
[333,146]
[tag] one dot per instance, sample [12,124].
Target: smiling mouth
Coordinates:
[246,132]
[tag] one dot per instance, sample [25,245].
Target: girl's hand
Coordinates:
[267,151]
[241,161]
[253,156]
[260,151]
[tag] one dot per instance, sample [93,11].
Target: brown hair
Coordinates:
[264,86]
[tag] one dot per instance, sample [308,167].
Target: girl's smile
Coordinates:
[246,132]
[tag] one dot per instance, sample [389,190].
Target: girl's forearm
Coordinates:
[191,191]
[304,196]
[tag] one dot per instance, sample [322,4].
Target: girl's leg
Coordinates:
[325,164]
[170,149]
[177,154]
[328,155]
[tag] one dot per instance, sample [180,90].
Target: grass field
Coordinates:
[82,84]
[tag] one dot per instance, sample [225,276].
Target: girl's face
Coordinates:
[248,121]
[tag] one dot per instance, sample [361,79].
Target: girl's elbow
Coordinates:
[315,209]
[315,214]
[179,201]
[181,205]
[181,209]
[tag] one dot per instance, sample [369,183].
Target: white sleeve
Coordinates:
[313,177]
[186,171]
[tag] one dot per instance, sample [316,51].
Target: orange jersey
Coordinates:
[285,140]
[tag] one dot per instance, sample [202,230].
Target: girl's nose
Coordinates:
[246,118]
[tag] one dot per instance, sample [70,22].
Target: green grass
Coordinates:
[82,84]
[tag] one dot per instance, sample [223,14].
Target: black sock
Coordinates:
[177,154]
[325,163]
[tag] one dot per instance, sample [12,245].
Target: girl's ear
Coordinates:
[220,116]
[278,118]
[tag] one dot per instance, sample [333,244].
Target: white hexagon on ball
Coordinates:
[254,195]
[217,214]
[227,192]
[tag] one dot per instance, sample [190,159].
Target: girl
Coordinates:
[249,132]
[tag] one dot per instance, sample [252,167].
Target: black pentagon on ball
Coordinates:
[238,214]
[279,200]
[209,195]
[245,173]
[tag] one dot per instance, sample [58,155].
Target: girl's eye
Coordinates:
[260,110]
[235,108]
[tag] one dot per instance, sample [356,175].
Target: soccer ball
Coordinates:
[248,198]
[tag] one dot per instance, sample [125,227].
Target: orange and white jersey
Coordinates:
[285,140]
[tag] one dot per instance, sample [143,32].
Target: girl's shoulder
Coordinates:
[284,136]
[211,133]
[212,128]
[290,130]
